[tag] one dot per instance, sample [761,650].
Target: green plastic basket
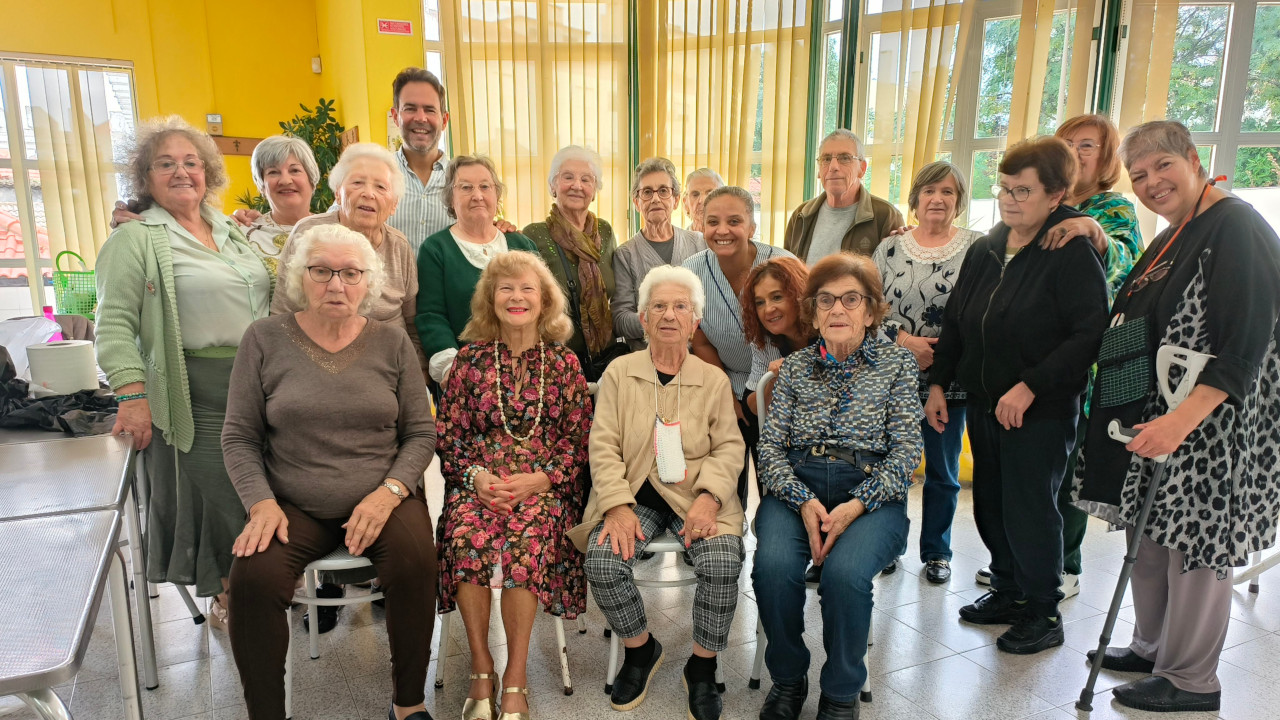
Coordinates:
[75,292]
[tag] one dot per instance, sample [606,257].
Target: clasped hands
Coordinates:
[501,494]
[825,527]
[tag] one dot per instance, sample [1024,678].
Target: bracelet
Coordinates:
[131,396]
[469,476]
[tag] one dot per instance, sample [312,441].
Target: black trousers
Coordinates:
[1016,476]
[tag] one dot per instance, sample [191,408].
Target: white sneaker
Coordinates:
[983,576]
[1070,585]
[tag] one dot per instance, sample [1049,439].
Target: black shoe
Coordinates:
[983,576]
[380,602]
[646,555]
[704,698]
[1159,695]
[994,608]
[1031,635]
[420,715]
[328,614]
[785,701]
[632,682]
[829,709]
[937,571]
[813,575]
[891,568]
[1123,660]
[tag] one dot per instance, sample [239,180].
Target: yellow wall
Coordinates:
[246,59]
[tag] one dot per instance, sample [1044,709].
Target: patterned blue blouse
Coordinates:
[868,402]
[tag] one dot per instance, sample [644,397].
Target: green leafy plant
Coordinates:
[321,130]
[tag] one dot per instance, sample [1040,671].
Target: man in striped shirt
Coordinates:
[418,111]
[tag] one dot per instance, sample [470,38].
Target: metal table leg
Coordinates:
[46,704]
[133,530]
[122,624]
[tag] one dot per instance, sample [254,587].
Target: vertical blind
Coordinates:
[725,85]
[529,77]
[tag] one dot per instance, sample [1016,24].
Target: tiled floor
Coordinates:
[924,664]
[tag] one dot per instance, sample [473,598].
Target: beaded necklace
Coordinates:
[497,381]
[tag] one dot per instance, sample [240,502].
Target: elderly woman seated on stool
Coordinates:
[836,456]
[327,435]
[665,398]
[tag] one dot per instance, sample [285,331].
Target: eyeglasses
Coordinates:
[663,192]
[1084,148]
[851,300]
[1157,273]
[322,274]
[1020,193]
[168,166]
[845,159]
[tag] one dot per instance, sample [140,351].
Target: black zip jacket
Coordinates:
[1038,319]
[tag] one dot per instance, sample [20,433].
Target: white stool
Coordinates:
[339,559]
[446,621]
[757,666]
[664,543]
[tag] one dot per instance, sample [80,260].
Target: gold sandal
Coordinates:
[482,708]
[515,715]
[218,615]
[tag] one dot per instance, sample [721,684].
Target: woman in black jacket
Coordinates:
[1019,334]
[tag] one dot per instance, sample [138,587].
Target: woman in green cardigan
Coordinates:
[578,247]
[450,261]
[176,291]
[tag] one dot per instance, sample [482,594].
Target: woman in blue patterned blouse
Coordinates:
[836,456]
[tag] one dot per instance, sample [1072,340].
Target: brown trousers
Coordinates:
[262,587]
[1181,617]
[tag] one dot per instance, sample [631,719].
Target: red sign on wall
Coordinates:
[395,27]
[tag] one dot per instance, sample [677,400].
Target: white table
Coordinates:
[49,486]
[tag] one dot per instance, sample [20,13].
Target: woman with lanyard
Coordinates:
[728,221]
[1206,285]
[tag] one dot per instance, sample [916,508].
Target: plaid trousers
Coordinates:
[717,562]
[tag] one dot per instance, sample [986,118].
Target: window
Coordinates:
[63,130]
[1235,123]
[945,81]
[433,60]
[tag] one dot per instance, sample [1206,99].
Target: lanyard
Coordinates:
[737,314]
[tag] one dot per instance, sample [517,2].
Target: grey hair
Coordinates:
[736,192]
[356,152]
[936,172]
[451,179]
[332,235]
[672,275]
[146,143]
[576,152]
[705,172]
[274,151]
[655,165]
[843,134]
[1158,136]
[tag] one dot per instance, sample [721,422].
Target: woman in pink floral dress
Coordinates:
[513,427]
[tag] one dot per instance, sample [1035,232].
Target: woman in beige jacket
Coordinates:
[665,455]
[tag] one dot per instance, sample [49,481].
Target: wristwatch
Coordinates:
[394,488]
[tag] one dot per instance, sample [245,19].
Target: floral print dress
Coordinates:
[530,544]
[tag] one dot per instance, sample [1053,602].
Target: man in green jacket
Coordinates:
[844,216]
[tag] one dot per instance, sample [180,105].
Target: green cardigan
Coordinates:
[540,234]
[445,284]
[138,338]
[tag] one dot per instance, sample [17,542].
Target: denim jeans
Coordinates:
[941,485]
[859,554]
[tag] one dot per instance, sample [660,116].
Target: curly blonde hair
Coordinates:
[554,324]
[147,140]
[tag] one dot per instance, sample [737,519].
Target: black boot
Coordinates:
[784,701]
[829,709]
[328,614]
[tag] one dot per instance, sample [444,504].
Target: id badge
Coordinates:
[669,450]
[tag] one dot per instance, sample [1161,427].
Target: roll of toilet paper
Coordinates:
[64,367]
